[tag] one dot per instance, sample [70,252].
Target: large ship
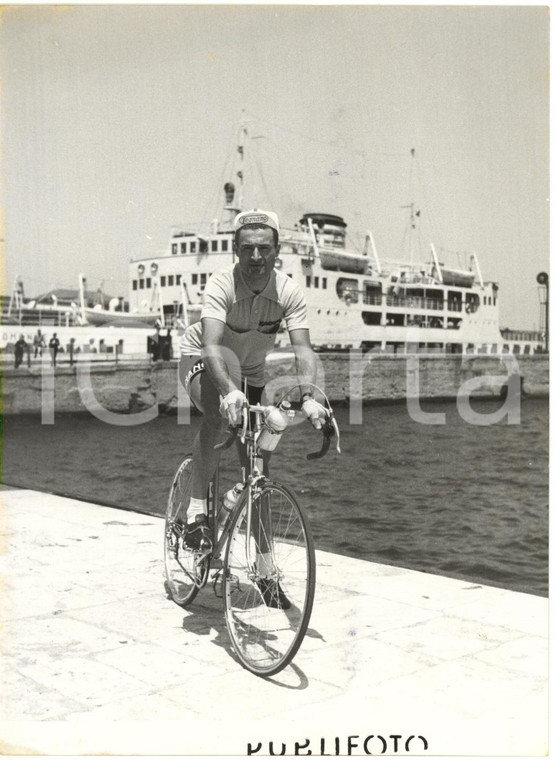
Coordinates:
[354,298]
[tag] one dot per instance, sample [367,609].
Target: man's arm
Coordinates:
[307,365]
[305,358]
[218,360]
[214,355]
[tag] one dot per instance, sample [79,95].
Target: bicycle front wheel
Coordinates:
[185,572]
[269,580]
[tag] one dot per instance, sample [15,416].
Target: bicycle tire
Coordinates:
[266,638]
[185,575]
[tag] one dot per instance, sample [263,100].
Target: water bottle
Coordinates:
[275,422]
[229,501]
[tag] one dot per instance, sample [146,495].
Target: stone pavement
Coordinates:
[96,660]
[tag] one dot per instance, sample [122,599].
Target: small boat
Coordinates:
[341,261]
[459,277]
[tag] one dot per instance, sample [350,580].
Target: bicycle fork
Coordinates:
[262,533]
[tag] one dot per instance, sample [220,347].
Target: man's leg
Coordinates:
[204,396]
[205,458]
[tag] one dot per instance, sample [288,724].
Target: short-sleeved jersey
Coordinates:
[251,320]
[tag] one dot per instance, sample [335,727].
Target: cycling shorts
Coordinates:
[189,373]
[193,366]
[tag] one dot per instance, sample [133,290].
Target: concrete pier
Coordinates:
[131,386]
[96,660]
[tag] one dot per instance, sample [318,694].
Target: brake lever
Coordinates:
[245,417]
[336,431]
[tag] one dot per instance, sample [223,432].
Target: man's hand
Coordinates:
[315,412]
[232,406]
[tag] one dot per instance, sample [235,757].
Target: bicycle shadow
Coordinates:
[205,617]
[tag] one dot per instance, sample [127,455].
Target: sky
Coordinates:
[122,121]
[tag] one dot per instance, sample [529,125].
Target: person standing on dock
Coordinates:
[19,349]
[54,345]
[153,344]
[166,346]
[244,305]
[71,351]
[38,344]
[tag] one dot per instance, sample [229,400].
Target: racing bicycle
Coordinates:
[259,555]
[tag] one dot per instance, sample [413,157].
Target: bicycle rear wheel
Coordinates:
[265,631]
[186,573]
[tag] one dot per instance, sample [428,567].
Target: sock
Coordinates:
[264,564]
[196,507]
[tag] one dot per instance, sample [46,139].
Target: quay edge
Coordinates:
[104,664]
[129,387]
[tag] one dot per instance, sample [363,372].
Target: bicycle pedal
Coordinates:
[233,581]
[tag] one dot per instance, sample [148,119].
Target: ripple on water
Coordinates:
[458,499]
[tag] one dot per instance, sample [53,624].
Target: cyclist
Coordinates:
[243,307]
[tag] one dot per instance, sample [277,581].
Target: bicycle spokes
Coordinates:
[186,570]
[268,606]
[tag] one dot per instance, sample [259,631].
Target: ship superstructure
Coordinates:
[354,299]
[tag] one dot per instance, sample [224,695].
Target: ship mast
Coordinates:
[241,151]
[414,213]
[233,205]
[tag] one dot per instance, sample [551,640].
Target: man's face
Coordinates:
[256,252]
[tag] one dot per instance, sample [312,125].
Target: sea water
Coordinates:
[458,499]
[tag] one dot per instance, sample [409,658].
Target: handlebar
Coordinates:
[228,440]
[329,429]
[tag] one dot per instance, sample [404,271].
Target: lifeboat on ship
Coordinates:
[342,261]
[330,232]
[461,278]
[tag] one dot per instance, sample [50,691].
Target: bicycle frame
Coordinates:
[251,482]
[252,476]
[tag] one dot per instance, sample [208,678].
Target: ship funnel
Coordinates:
[229,189]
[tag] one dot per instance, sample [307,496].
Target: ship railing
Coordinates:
[418,320]
[529,335]
[80,357]
[393,265]
[39,318]
[415,302]
[411,302]
[372,299]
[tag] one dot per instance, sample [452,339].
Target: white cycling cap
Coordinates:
[257,216]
